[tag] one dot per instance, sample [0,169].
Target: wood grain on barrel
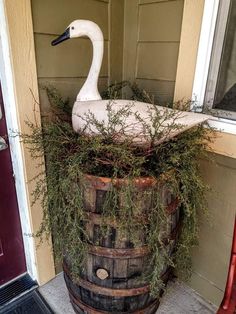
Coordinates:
[113,280]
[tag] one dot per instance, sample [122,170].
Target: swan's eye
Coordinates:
[72,27]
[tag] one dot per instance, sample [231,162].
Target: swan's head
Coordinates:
[79,28]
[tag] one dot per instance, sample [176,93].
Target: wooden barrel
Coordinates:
[112,280]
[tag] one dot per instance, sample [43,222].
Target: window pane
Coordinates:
[225,94]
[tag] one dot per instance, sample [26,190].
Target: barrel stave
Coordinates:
[125,272]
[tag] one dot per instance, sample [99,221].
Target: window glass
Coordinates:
[225,93]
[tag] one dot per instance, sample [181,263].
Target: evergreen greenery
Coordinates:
[173,164]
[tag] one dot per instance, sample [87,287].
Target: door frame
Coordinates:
[19,82]
[6,75]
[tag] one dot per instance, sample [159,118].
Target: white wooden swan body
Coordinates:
[89,99]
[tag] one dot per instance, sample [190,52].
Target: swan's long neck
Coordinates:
[89,91]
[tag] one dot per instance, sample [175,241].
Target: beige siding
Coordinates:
[190,33]
[52,17]
[116,39]
[164,88]
[130,39]
[157,61]
[211,257]
[151,45]
[150,1]
[160,21]
[70,59]
[66,66]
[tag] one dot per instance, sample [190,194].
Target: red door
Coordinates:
[12,258]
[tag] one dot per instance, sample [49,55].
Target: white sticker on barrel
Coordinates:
[102,273]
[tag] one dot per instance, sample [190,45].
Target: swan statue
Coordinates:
[89,101]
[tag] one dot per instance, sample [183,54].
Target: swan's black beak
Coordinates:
[61,38]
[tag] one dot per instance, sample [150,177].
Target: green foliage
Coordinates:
[173,164]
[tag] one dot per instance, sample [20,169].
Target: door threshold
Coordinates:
[16,288]
[12,280]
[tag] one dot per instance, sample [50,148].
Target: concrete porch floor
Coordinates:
[179,299]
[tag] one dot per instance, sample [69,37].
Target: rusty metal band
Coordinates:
[108,291]
[118,253]
[88,309]
[105,183]
[112,292]
[91,310]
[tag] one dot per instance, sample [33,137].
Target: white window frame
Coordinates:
[212,9]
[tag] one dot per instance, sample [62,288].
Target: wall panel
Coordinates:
[53,16]
[152,1]
[160,21]
[160,90]
[157,61]
[116,18]
[211,257]
[69,59]
[151,45]
[130,39]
